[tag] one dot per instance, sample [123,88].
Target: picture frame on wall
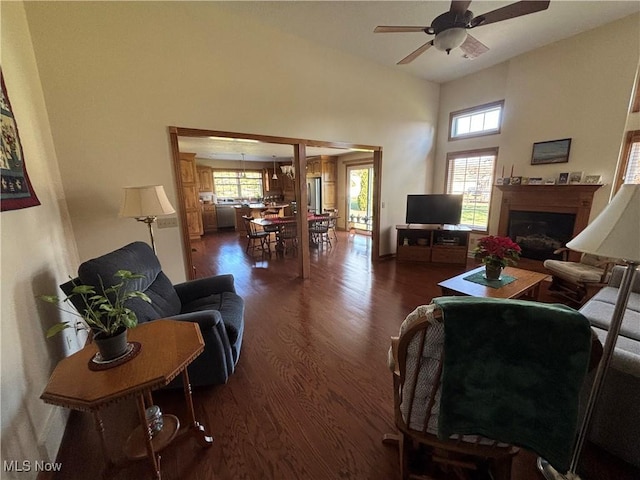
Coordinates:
[592,179]
[553,151]
[563,178]
[575,178]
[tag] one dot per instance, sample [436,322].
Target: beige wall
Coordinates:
[141,67]
[95,93]
[578,88]
[38,252]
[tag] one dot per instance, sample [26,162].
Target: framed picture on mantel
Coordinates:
[554,151]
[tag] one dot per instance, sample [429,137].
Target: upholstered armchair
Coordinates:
[210,302]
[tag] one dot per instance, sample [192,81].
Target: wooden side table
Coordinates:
[168,347]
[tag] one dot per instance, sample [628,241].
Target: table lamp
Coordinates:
[145,204]
[614,233]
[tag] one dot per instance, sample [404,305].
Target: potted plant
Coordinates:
[103,313]
[496,253]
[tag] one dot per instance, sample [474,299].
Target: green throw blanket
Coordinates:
[512,372]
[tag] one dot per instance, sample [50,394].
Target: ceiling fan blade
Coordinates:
[416,53]
[517,9]
[472,47]
[458,6]
[397,29]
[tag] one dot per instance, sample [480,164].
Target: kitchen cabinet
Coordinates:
[189,176]
[205,178]
[240,212]
[314,167]
[329,169]
[288,189]
[329,182]
[209,218]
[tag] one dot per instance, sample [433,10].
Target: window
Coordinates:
[471,174]
[237,183]
[477,121]
[630,171]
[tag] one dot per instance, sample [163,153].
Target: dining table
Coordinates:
[279,221]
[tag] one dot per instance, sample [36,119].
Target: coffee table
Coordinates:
[526,284]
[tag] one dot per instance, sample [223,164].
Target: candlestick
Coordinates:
[511,171]
[502,176]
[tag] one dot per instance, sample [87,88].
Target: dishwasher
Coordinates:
[226,216]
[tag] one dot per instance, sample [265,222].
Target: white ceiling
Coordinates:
[233,149]
[348,26]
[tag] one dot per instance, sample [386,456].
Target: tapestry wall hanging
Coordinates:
[16,191]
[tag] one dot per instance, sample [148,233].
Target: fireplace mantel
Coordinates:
[574,199]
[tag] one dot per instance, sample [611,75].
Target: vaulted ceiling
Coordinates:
[348,26]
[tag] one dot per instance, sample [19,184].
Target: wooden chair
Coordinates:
[577,282]
[271,229]
[287,238]
[256,239]
[416,358]
[319,230]
[333,217]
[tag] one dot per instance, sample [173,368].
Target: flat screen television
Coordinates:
[437,209]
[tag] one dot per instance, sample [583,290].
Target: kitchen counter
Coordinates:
[263,206]
[254,210]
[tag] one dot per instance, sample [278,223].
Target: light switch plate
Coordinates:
[167,222]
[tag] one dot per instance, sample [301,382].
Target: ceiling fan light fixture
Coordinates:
[449,39]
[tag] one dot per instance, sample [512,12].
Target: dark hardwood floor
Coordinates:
[311,396]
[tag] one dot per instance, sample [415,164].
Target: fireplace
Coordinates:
[539,234]
[541,218]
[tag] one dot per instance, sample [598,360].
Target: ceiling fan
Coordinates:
[450,28]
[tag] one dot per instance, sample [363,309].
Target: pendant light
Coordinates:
[274,177]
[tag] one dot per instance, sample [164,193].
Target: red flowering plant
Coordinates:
[497,251]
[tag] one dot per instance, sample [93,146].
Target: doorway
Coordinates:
[299,164]
[360,194]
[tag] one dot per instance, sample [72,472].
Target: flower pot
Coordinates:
[492,272]
[111,347]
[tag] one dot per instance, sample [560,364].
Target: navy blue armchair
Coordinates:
[210,302]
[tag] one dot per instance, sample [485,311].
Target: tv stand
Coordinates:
[432,243]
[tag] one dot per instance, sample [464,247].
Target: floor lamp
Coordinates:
[614,233]
[145,204]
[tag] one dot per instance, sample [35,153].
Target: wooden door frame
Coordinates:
[300,163]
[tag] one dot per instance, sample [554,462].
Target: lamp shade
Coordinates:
[450,39]
[147,201]
[616,231]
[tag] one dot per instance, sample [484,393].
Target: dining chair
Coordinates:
[319,230]
[256,239]
[271,229]
[333,217]
[473,378]
[287,238]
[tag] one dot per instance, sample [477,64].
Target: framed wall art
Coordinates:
[554,151]
[592,179]
[575,178]
[16,190]
[563,178]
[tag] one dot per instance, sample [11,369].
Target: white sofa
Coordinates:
[616,420]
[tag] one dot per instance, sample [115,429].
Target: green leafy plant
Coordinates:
[104,310]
